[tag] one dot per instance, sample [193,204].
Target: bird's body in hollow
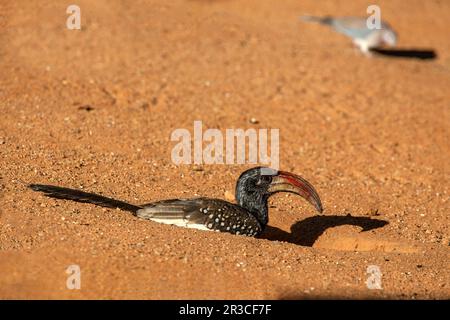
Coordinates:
[203,214]
[248,217]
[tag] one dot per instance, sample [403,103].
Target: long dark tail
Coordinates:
[81,196]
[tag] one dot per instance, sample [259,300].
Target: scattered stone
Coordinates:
[254,121]
[86,107]
[142,104]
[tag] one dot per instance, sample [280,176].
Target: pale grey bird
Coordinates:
[363,37]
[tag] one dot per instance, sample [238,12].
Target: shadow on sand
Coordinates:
[411,54]
[307,231]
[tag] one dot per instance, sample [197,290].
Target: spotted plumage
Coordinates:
[203,214]
[247,217]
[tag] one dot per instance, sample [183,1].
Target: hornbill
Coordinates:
[248,217]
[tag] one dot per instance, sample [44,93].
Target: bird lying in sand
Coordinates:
[356,28]
[248,217]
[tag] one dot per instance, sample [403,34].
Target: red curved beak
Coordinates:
[289,182]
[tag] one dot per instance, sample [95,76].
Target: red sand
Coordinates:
[371,134]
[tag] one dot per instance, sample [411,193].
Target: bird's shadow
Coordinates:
[307,231]
[403,53]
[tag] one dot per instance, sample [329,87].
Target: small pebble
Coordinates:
[254,121]
[86,107]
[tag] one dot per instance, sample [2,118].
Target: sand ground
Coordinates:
[95,109]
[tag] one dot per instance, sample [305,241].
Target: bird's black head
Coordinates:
[256,185]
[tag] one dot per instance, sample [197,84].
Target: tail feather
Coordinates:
[81,196]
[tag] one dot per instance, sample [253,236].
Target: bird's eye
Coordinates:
[264,179]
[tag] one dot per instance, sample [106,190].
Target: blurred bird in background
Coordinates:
[357,29]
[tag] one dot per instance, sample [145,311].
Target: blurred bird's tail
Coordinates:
[321,20]
[81,196]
